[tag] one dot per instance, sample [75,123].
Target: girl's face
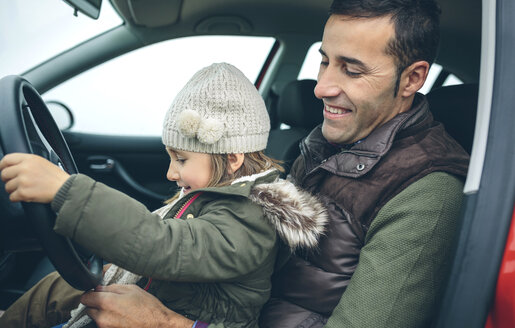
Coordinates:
[190,170]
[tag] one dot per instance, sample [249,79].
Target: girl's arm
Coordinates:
[220,245]
[227,241]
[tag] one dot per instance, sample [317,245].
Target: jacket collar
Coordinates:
[242,186]
[363,156]
[298,217]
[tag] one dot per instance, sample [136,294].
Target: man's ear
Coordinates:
[234,161]
[414,77]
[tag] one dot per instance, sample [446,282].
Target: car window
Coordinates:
[33,31]
[309,70]
[433,74]
[130,95]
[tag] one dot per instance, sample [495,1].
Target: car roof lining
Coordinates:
[459,51]
[154,20]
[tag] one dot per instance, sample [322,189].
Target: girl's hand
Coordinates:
[31,178]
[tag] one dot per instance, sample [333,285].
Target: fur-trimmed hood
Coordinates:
[298,216]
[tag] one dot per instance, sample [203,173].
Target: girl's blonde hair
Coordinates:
[253,163]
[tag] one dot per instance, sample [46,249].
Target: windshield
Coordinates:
[33,31]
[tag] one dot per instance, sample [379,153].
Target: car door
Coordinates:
[490,188]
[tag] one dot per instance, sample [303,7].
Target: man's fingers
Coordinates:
[95,314]
[103,319]
[100,306]
[117,289]
[102,295]
[93,299]
[92,312]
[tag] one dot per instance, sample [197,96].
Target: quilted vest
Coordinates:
[354,184]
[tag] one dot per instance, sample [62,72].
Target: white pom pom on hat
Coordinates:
[210,131]
[218,111]
[188,122]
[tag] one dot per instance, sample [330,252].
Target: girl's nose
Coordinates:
[172,174]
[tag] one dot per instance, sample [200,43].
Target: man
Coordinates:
[390,177]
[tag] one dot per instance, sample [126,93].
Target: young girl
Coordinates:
[211,251]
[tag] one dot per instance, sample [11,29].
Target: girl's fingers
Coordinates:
[12,159]
[31,178]
[11,185]
[8,173]
[17,194]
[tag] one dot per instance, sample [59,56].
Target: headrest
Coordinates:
[298,106]
[455,106]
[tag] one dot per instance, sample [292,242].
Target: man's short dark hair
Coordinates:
[416,24]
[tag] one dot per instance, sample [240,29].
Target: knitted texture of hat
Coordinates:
[219,111]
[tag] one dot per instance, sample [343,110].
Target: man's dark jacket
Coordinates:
[354,184]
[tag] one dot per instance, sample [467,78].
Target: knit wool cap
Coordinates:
[219,111]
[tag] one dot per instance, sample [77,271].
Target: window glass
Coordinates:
[33,31]
[309,70]
[452,80]
[130,95]
[434,71]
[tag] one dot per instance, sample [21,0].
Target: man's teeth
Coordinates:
[335,110]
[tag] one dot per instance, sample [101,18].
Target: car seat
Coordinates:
[456,106]
[298,108]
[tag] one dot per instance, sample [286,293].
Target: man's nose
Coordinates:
[327,85]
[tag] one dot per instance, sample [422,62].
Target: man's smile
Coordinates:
[335,112]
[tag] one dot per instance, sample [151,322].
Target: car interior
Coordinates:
[136,165]
[294,107]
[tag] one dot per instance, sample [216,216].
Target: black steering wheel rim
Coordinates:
[28,127]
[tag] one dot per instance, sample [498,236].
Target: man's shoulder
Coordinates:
[439,184]
[434,199]
[436,190]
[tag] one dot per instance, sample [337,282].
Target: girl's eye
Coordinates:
[181,160]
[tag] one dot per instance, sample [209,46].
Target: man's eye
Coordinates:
[352,74]
[324,63]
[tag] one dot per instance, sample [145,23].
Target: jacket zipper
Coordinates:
[187,203]
[344,151]
[358,153]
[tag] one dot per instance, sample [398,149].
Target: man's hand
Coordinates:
[31,178]
[117,306]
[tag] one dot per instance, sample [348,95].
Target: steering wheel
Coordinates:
[26,126]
